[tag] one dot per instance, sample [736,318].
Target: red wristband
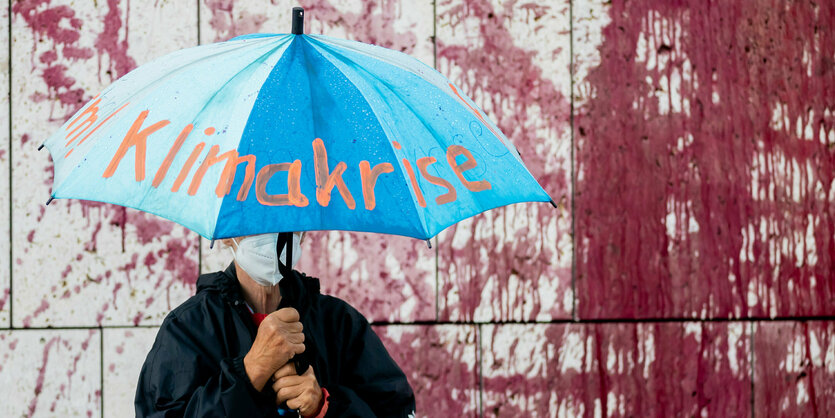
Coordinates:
[323,408]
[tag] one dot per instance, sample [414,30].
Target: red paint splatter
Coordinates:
[148,228]
[27,321]
[41,374]
[710,196]
[66,272]
[364,281]
[227,24]
[616,370]
[116,288]
[499,71]
[793,374]
[4,298]
[374,24]
[108,41]
[433,367]
[61,26]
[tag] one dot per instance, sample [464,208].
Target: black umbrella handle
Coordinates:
[298,21]
[285,243]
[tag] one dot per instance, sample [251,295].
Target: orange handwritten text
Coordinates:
[413,180]
[293,196]
[227,177]
[459,169]
[458,159]
[450,195]
[175,148]
[92,117]
[91,112]
[325,181]
[369,180]
[187,167]
[138,139]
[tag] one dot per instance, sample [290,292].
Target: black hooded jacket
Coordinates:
[195,367]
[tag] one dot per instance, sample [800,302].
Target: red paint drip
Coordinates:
[227,24]
[108,41]
[525,255]
[4,298]
[374,24]
[59,25]
[41,374]
[690,200]
[433,367]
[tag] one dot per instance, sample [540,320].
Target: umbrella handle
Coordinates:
[301,364]
[298,21]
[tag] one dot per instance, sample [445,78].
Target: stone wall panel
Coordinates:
[81,263]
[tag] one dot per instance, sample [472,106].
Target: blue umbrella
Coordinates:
[290,132]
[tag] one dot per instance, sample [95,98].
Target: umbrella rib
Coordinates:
[310,94]
[391,146]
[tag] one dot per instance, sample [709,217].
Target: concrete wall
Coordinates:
[688,269]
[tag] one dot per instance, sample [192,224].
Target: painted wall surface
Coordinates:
[689,268]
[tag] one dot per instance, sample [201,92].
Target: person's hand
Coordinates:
[279,338]
[300,392]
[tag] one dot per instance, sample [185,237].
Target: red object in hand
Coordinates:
[258,318]
[323,408]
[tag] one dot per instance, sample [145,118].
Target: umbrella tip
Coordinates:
[298,21]
[40,147]
[51,198]
[212,244]
[429,243]
[554,204]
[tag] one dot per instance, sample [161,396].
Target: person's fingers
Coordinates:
[298,348]
[290,381]
[293,326]
[283,383]
[295,338]
[303,402]
[287,314]
[283,394]
[275,323]
[307,378]
[288,369]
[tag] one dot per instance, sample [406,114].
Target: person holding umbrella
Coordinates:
[229,350]
[246,140]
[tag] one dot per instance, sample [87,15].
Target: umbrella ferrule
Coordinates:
[298,21]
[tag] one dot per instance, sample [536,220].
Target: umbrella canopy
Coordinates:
[290,132]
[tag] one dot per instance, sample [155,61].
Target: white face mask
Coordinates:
[256,255]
